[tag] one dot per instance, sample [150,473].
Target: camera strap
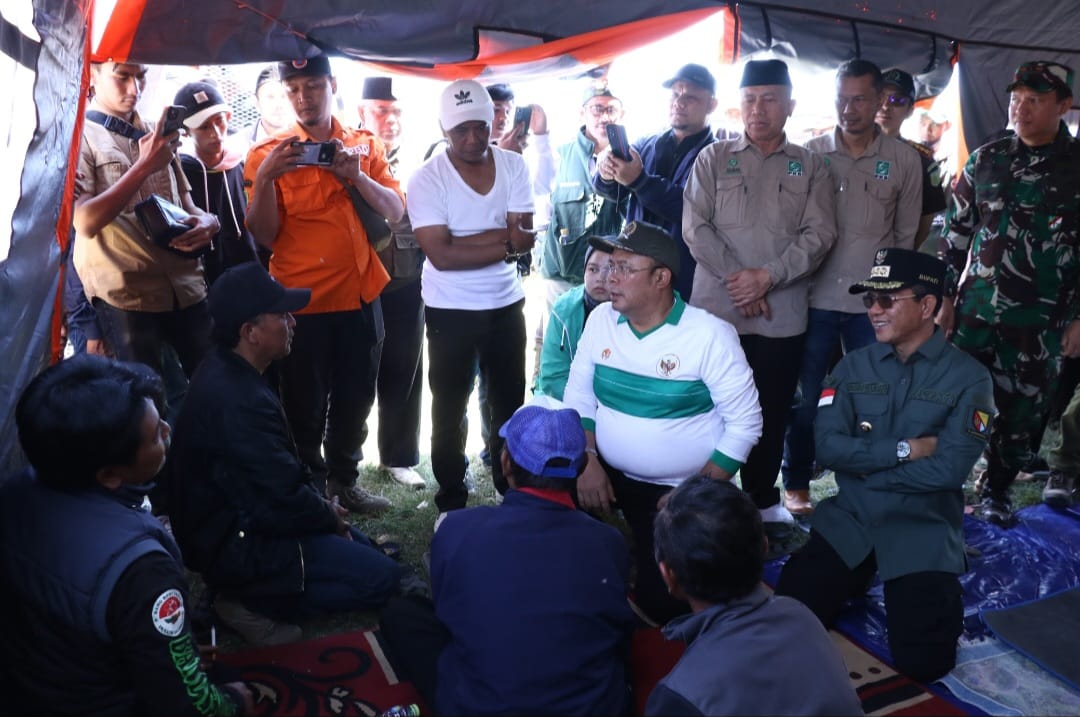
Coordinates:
[115,125]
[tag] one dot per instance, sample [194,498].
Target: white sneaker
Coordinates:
[407,477]
[777,514]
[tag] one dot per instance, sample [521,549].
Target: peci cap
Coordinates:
[644,239]
[465,101]
[765,72]
[695,74]
[544,430]
[308,67]
[896,269]
[898,78]
[1043,76]
[378,88]
[200,100]
[246,290]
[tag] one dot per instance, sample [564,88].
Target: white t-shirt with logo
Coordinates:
[438,196]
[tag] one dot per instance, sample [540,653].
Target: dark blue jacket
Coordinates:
[659,200]
[57,583]
[534,596]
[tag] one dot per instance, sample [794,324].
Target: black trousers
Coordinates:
[141,335]
[637,501]
[924,612]
[457,339]
[400,384]
[413,639]
[328,388]
[775,363]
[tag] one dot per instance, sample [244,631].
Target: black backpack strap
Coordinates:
[115,124]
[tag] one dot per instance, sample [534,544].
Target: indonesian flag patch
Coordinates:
[827,396]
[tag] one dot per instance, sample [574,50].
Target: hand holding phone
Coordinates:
[315,154]
[172,119]
[620,146]
[523,114]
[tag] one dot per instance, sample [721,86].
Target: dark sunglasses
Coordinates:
[885,301]
[897,100]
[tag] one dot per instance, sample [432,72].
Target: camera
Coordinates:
[317,154]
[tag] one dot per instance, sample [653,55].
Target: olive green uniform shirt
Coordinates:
[743,210]
[909,514]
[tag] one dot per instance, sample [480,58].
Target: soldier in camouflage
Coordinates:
[1013,223]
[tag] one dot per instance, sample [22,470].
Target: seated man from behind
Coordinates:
[93,596]
[245,507]
[567,321]
[710,545]
[901,422]
[530,613]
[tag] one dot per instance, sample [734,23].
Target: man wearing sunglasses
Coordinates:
[901,422]
[897,105]
[878,185]
[1013,223]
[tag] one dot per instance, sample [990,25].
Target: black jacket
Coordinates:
[240,496]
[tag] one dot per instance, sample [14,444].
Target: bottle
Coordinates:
[402,711]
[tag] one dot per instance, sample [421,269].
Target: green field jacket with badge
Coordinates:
[909,514]
[577,212]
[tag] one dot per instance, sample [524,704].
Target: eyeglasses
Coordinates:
[897,100]
[624,270]
[885,301]
[599,110]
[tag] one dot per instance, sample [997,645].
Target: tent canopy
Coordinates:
[46,45]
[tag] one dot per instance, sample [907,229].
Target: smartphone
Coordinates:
[523,114]
[620,147]
[317,154]
[172,119]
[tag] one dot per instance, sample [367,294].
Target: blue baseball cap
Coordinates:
[536,434]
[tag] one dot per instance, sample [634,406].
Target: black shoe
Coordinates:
[997,508]
[1061,490]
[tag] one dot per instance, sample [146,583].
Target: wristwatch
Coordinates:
[903,451]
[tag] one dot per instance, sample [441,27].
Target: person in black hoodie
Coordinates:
[216,174]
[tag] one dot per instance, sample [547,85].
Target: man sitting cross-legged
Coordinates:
[530,613]
[244,507]
[710,544]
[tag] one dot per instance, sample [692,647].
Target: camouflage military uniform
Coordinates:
[1015,212]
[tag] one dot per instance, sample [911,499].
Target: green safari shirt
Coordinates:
[909,514]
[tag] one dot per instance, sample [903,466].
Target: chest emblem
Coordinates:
[794,168]
[881,170]
[667,365]
[732,165]
[605,354]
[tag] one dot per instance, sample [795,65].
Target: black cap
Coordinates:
[695,74]
[309,67]
[267,74]
[244,291]
[500,92]
[901,79]
[644,239]
[378,88]
[765,72]
[896,269]
[200,100]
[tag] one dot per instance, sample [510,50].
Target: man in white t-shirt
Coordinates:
[471,209]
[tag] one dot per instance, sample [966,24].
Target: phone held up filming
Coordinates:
[172,119]
[316,154]
[620,146]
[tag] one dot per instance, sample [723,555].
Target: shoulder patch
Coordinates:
[979,423]
[168,613]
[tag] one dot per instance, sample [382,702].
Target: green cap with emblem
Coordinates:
[644,239]
[896,269]
[1043,76]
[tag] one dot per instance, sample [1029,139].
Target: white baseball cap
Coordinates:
[465,101]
